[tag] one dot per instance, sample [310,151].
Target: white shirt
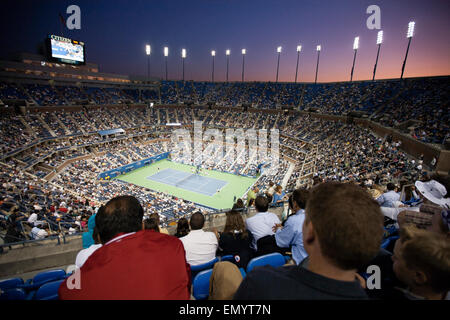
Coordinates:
[261,224]
[33,218]
[200,246]
[38,234]
[84,254]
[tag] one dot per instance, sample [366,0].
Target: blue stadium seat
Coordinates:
[13,294]
[228,257]
[11,283]
[40,279]
[208,265]
[201,284]
[273,259]
[48,291]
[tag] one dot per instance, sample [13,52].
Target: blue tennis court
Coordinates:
[188,181]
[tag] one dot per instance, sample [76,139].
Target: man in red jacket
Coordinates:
[132,263]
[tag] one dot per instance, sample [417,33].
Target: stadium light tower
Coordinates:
[318,49]
[227,53]
[166,54]
[148,51]
[409,35]
[213,54]
[244,51]
[278,62]
[299,49]
[379,42]
[183,56]
[355,48]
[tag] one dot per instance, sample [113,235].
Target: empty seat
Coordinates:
[200,267]
[11,283]
[201,284]
[273,259]
[48,291]
[13,294]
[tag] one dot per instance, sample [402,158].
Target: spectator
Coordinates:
[88,237]
[155,264]
[84,254]
[235,239]
[182,228]
[261,224]
[290,235]
[251,196]
[422,261]
[38,233]
[335,254]
[387,199]
[200,246]
[279,195]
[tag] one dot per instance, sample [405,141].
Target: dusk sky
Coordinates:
[116,31]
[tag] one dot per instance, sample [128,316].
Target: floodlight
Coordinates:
[244,51]
[183,53]
[166,51]
[213,53]
[299,48]
[319,47]
[380,37]
[410,32]
[356,43]
[279,49]
[227,52]
[147,49]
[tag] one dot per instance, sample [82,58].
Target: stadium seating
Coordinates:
[273,259]
[13,294]
[48,291]
[200,267]
[11,283]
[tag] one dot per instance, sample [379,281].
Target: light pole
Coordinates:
[243,62]
[355,48]
[213,54]
[227,53]
[409,35]
[166,54]
[278,62]
[379,42]
[148,51]
[299,48]
[183,56]
[318,48]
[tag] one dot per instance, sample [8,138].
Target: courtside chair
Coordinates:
[204,266]
[48,291]
[273,259]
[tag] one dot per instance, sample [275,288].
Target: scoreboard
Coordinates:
[66,50]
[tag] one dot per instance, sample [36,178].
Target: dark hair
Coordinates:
[261,203]
[235,222]
[197,221]
[239,204]
[347,221]
[299,196]
[390,186]
[151,224]
[121,214]
[182,228]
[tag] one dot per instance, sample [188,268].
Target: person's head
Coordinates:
[390,186]
[278,189]
[121,214]
[235,222]
[197,221]
[343,224]
[298,199]
[150,224]
[255,189]
[261,203]
[433,191]
[271,184]
[182,227]
[239,204]
[422,261]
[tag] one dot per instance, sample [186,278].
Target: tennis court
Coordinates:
[179,180]
[189,181]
